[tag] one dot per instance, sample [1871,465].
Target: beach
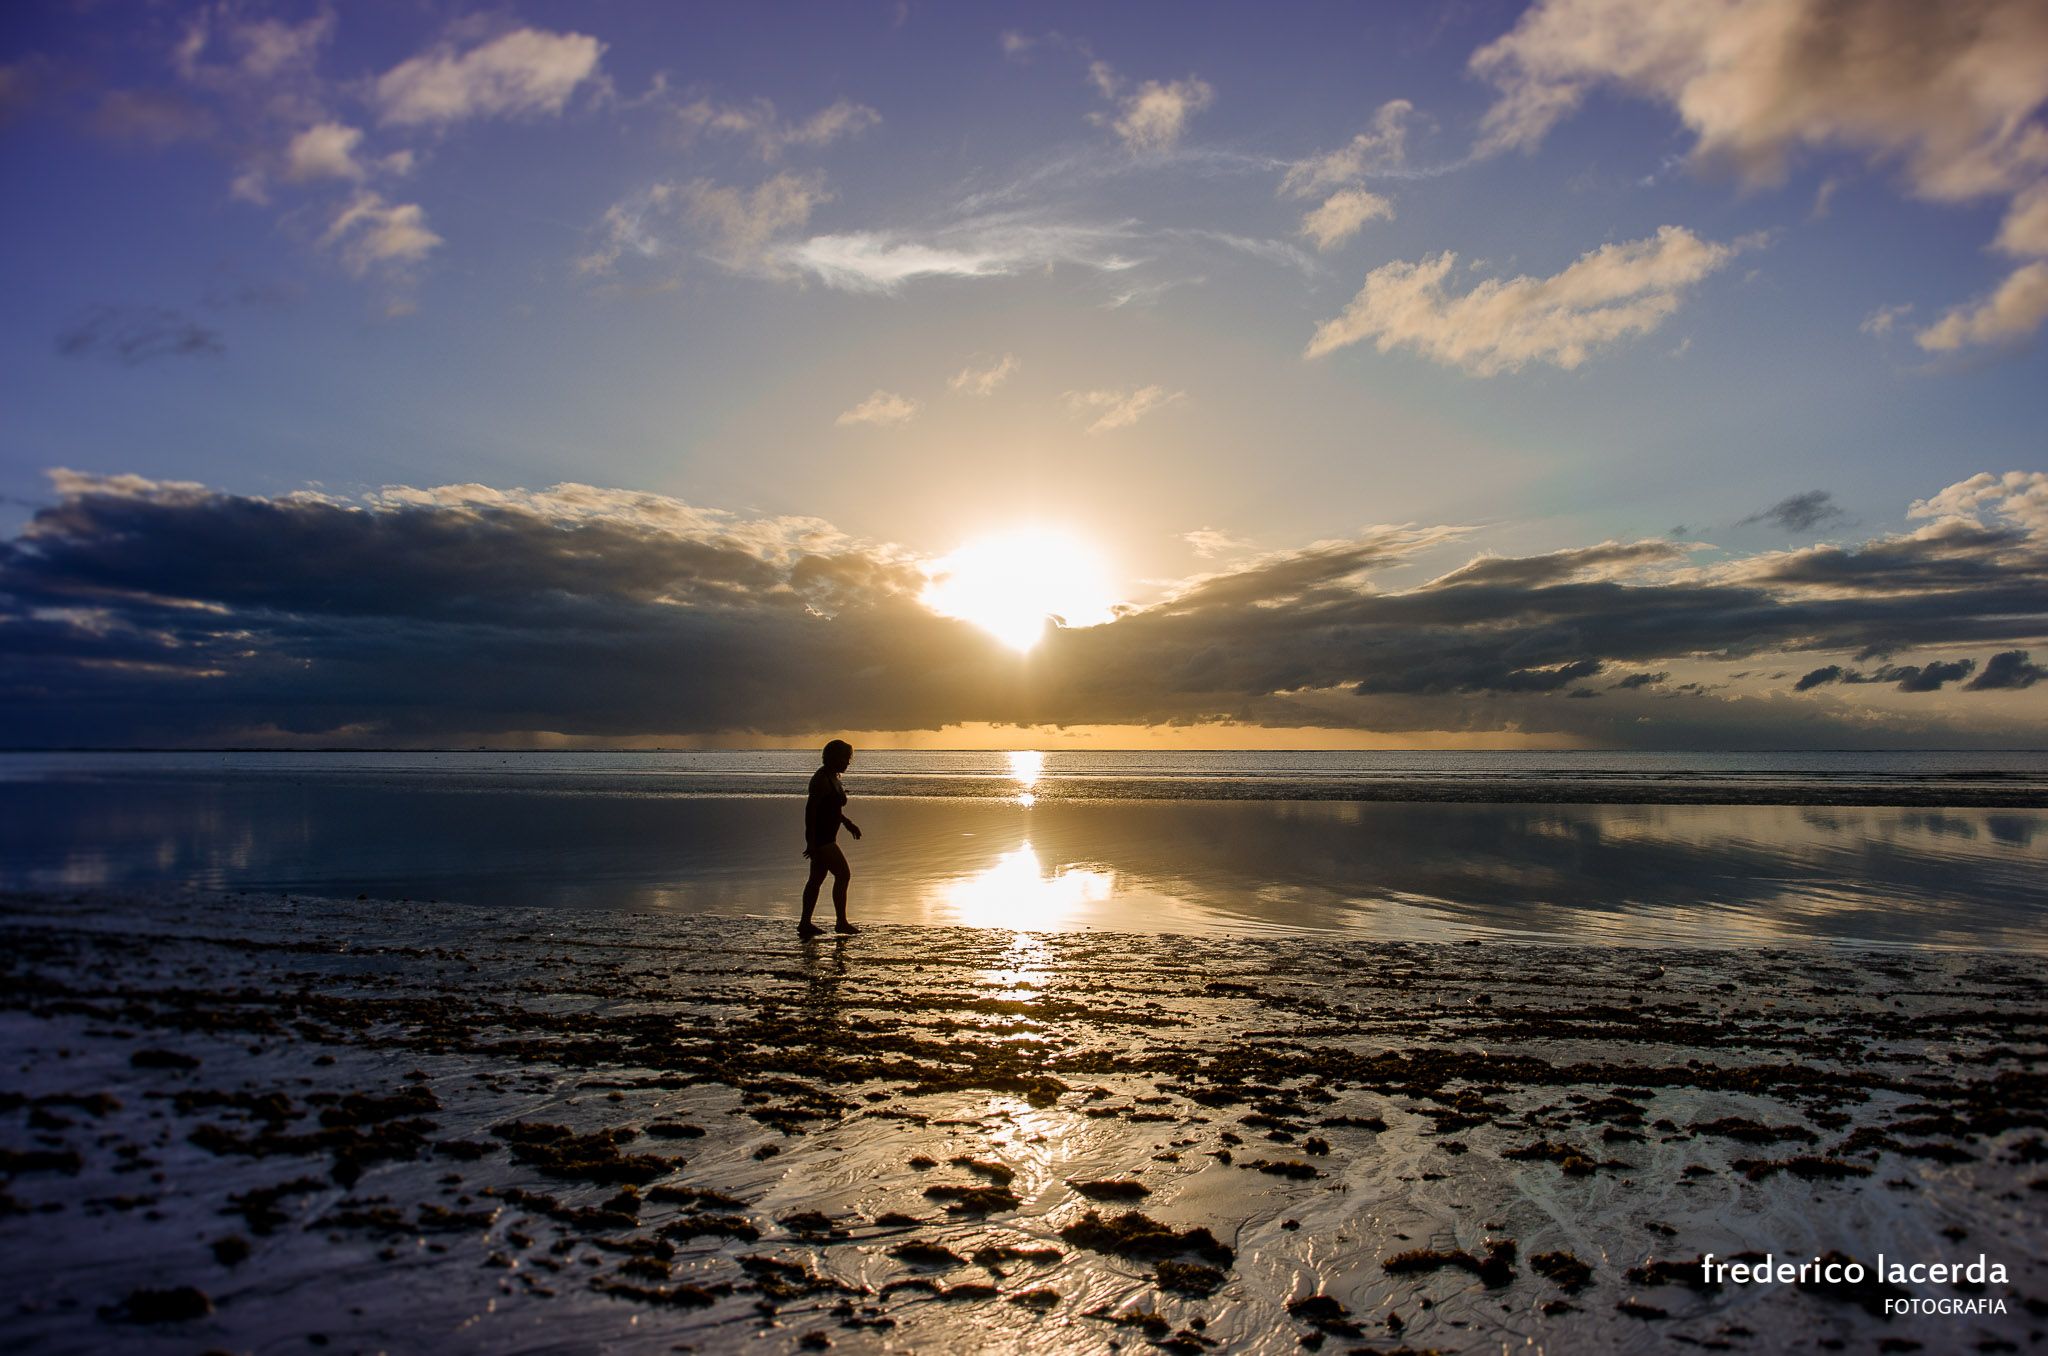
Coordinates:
[268,1122]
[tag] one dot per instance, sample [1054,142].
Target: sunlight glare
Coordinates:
[1026,765]
[1017,893]
[1012,583]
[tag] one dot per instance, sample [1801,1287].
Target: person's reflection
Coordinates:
[824,972]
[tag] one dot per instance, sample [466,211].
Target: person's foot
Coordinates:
[809,930]
[844,928]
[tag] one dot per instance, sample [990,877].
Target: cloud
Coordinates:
[272,58]
[743,223]
[994,245]
[629,227]
[524,73]
[740,229]
[1120,409]
[1906,678]
[2025,228]
[2012,312]
[1798,512]
[1829,673]
[982,381]
[138,611]
[1210,543]
[1608,560]
[373,234]
[133,335]
[151,117]
[1947,89]
[1151,118]
[883,407]
[325,150]
[1382,148]
[771,135]
[1342,215]
[1882,320]
[2007,670]
[1607,295]
[1950,92]
[2019,498]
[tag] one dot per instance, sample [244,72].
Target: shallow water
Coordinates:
[673,833]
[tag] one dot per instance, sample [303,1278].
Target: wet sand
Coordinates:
[260,1123]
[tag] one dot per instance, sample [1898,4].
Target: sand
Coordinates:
[290,1124]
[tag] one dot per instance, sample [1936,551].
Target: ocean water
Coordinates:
[1932,849]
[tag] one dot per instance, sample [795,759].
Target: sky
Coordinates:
[1584,373]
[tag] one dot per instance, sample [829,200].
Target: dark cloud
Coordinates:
[1906,677]
[141,612]
[2009,669]
[137,334]
[1798,512]
[1611,559]
[1926,677]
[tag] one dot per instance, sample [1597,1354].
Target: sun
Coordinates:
[1013,583]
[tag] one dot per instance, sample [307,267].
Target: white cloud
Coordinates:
[325,150]
[770,134]
[1949,88]
[624,230]
[982,247]
[885,408]
[739,226]
[521,73]
[372,233]
[1951,91]
[983,381]
[1380,148]
[1209,543]
[1606,295]
[1120,409]
[743,224]
[268,53]
[2014,311]
[1151,118]
[272,46]
[1884,318]
[2024,231]
[2018,497]
[1343,215]
[875,261]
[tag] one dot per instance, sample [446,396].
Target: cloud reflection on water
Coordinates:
[1658,874]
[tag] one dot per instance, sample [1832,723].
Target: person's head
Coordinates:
[838,754]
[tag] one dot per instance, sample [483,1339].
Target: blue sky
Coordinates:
[751,258]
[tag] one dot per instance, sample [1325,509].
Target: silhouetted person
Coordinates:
[824,812]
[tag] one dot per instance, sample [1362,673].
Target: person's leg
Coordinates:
[842,874]
[811,886]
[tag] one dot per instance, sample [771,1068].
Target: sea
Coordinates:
[1927,849]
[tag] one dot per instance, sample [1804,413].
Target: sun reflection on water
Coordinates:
[1026,766]
[1018,892]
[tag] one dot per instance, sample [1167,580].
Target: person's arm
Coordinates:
[819,816]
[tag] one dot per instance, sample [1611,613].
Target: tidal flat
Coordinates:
[279,1123]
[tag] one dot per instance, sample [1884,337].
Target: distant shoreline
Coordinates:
[778,748]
